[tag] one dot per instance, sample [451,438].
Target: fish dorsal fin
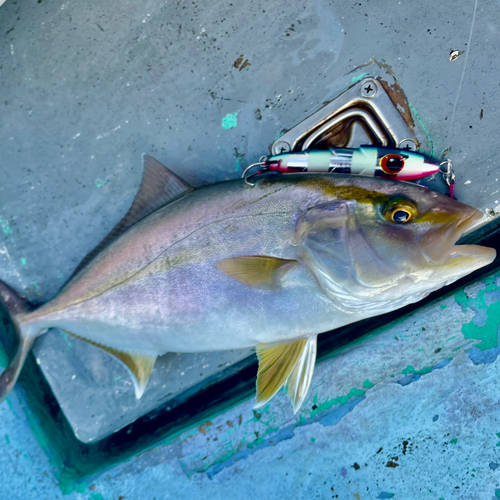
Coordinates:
[276,362]
[138,365]
[300,379]
[159,186]
[256,271]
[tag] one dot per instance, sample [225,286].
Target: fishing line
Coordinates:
[463,72]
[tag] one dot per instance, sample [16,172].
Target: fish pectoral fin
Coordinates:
[256,270]
[300,379]
[159,186]
[139,366]
[276,363]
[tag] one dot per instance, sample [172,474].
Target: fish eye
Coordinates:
[392,164]
[400,212]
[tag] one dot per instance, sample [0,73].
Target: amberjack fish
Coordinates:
[231,266]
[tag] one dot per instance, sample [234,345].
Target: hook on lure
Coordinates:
[448,175]
[262,163]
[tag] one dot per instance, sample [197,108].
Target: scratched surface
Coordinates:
[87,87]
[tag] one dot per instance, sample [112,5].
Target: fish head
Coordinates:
[384,244]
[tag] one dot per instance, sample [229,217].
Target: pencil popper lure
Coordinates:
[370,161]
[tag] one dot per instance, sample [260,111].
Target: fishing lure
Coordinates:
[371,161]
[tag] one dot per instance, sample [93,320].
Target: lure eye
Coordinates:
[392,164]
[400,212]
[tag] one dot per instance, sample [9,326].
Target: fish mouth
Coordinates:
[439,245]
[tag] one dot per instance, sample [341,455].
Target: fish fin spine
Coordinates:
[276,363]
[299,381]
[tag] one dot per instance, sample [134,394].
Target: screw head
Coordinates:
[369,88]
[408,144]
[282,147]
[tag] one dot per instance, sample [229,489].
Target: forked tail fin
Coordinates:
[15,305]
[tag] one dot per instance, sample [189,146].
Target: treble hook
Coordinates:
[448,175]
[262,161]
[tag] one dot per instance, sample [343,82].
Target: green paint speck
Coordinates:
[454,441]
[313,440]
[117,378]
[462,300]
[96,496]
[367,384]
[23,261]
[81,487]
[409,369]
[66,339]
[100,183]
[356,79]
[330,403]
[5,226]
[497,493]
[230,121]
[7,439]
[443,306]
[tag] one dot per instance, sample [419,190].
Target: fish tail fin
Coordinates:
[15,306]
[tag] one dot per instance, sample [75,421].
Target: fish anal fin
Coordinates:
[256,271]
[299,381]
[159,186]
[276,363]
[140,366]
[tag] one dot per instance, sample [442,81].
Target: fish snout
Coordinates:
[438,244]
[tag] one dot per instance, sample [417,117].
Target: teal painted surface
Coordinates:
[230,121]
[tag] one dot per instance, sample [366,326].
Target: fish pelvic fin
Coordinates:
[139,366]
[159,186]
[257,271]
[16,306]
[300,379]
[276,362]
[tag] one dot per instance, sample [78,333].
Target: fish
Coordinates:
[270,267]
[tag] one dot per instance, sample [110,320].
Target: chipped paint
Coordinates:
[485,325]
[356,79]
[230,121]
[6,229]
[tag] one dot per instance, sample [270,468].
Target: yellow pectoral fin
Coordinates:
[139,366]
[276,362]
[257,271]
